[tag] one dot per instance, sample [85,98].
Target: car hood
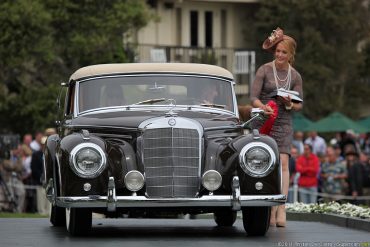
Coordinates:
[132,119]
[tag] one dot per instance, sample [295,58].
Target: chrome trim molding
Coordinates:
[144,202]
[112,202]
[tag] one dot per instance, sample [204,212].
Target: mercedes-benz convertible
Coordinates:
[144,140]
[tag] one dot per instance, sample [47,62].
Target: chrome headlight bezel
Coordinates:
[80,172]
[265,148]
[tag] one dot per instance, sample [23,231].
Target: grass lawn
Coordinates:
[21,215]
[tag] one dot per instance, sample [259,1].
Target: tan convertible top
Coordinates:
[122,68]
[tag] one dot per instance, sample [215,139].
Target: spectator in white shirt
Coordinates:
[36,144]
[317,143]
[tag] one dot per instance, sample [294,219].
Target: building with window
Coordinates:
[201,31]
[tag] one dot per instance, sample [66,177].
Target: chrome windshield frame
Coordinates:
[165,107]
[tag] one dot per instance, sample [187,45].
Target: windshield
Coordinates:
[155,89]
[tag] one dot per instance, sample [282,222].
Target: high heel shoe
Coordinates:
[273,216]
[281,216]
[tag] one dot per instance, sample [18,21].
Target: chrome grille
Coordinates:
[171,161]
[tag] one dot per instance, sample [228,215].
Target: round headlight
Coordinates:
[257,159]
[87,160]
[134,180]
[211,180]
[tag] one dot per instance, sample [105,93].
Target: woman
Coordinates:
[269,77]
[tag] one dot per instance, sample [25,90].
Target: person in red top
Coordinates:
[308,165]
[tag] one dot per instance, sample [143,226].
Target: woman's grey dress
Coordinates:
[262,89]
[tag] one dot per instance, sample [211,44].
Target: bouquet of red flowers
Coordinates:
[267,126]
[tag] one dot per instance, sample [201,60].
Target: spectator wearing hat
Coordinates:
[278,74]
[50,131]
[348,139]
[355,173]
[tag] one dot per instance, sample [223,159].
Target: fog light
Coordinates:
[134,180]
[211,180]
[259,186]
[87,187]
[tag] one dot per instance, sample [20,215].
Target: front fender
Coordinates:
[272,182]
[72,184]
[50,161]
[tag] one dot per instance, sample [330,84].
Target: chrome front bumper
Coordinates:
[112,202]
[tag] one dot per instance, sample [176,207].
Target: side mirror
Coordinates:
[255,113]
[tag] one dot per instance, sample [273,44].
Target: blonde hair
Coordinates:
[291,45]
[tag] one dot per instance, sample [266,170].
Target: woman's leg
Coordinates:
[281,215]
[273,215]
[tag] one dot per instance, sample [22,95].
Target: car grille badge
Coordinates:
[171,122]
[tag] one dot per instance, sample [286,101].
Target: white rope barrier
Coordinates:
[332,196]
[25,186]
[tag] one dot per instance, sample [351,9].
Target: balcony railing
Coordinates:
[240,62]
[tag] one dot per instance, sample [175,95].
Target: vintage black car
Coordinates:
[142,140]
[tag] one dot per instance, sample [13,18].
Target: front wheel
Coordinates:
[57,216]
[256,220]
[78,221]
[225,218]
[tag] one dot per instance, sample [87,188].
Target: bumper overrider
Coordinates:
[112,202]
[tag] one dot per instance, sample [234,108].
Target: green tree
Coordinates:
[92,31]
[327,33]
[43,41]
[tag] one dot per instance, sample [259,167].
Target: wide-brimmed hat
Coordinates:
[275,37]
[350,149]
[43,140]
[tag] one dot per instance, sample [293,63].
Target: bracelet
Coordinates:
[289,107]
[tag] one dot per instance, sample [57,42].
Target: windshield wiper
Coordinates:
[150,101]
[214,105]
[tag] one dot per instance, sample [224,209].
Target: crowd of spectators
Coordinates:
[330,170]
[21,175]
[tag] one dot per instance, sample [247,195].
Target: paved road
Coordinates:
[176,232]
